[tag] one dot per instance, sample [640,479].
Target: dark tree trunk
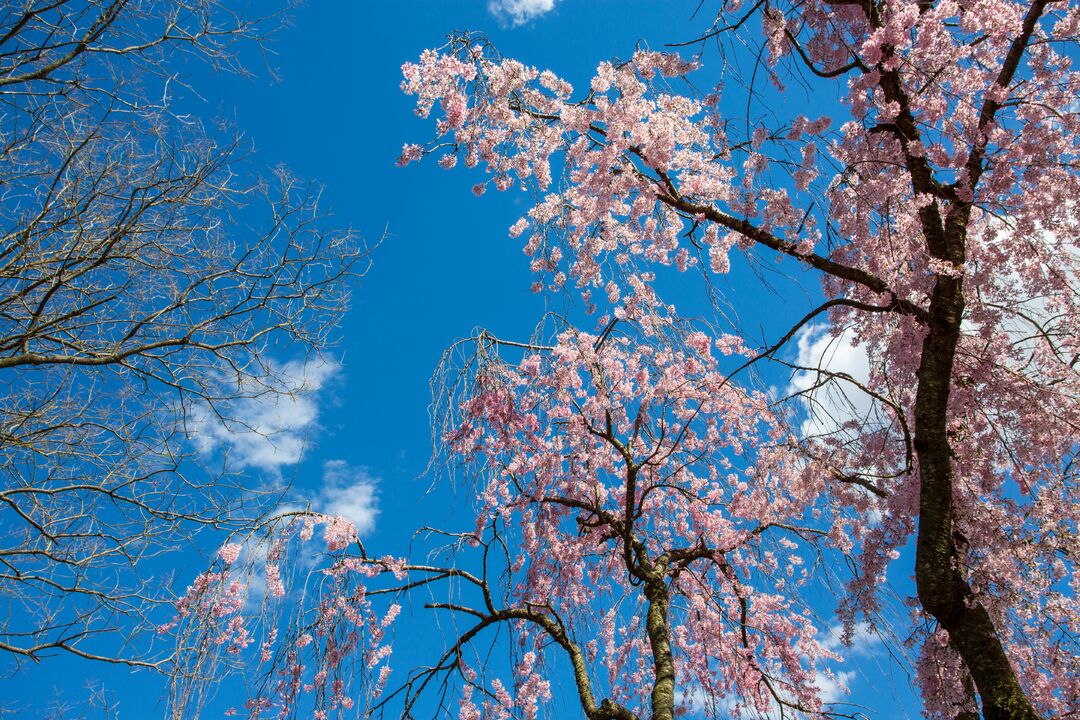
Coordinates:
[942,589]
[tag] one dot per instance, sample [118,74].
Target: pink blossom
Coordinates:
[229,553]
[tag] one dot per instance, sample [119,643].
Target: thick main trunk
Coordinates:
[656,624]
[942,589]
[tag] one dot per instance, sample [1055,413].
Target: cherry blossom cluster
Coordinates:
[323,647]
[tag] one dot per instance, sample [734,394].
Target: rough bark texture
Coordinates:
[656,624]
[942,589]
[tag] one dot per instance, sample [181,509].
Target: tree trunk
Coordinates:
[942,589]
[656,624]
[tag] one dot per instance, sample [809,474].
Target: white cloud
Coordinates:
[833,687]
[269,425]
[700,704]
[833,684]
[693,699]
[349,492]
[519,12]
[864,640]
[346,491]
[830,402]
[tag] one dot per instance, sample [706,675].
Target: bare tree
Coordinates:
[142,278]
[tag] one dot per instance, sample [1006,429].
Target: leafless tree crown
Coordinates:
[144,282]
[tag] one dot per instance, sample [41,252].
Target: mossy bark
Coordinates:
[656,625]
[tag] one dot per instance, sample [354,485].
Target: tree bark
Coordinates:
[656,624]
[942,589]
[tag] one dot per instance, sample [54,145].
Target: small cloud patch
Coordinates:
[519,12]
[265,425]
[351,493]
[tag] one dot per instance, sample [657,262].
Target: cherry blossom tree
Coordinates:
[648,510]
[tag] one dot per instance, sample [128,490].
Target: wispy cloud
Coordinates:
[833,686]
[831,401]
[864,640]
[519,12]
[345,490]
[269,425]
[349,492]
[833,683]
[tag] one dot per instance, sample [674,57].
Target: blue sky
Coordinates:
[445,266]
